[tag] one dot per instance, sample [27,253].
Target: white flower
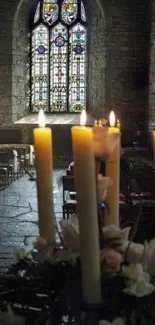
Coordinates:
[150,257]
[102,186]
[45,251]
[116,321]
[135,273]
[70,234]
[20,254]
[144,258]
[138,284]
[9,318]
[135,252]
[140,289]
[39,242]
[113,231]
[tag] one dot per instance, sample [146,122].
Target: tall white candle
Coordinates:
[44,170]
[31,155]
[15,161]
[113,171]
[82,139]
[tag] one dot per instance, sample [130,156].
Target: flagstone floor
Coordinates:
[19,215]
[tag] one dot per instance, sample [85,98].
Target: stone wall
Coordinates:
[126,60]
[118,47]
[6,13]
[96,60]
[151,108]
[20,63]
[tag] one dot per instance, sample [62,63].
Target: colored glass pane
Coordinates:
[83,12]
[77,69]
[50,11]
[37,13]
[69,11]
[58,68]
[40,67]
[58,56]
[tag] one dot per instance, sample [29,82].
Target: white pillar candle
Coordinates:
[113,171]
[31,155]
[82,139]
[44,170]
[15,161]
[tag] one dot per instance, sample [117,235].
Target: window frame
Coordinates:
[33,25]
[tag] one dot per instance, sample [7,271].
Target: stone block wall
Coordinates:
[20,62]
[151,106]
[127,35]
[117,65]
[96,60]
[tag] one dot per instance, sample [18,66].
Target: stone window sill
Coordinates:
[55,119]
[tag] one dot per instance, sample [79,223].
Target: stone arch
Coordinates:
[20,59]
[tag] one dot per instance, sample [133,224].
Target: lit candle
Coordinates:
[153,134]
[95,124]
[44,170]
[100,124]
[82,139]
[113,171]
[118,124]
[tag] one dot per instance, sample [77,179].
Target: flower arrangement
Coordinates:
[53,271]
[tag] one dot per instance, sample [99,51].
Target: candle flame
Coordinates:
[83,118]
[112,119]
[41,119]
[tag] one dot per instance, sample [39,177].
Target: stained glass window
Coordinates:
[50,11]
[69,11]
[58,56]
[77,68]
[40,67]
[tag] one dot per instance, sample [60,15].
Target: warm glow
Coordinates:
[112,119]
[83,118]
[41,119]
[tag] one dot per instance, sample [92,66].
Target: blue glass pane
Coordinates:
[77,71]
[40,68]
[58,68]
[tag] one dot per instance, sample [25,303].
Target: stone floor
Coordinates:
[19,216]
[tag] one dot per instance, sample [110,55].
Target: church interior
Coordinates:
[62,58]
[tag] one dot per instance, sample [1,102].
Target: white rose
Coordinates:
[135,253]
[116,321]
[135,272]
[140,289]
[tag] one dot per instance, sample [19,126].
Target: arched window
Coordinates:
[58,56]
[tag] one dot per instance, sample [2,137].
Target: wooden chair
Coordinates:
[69,205]
[4,176]
[5,165]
